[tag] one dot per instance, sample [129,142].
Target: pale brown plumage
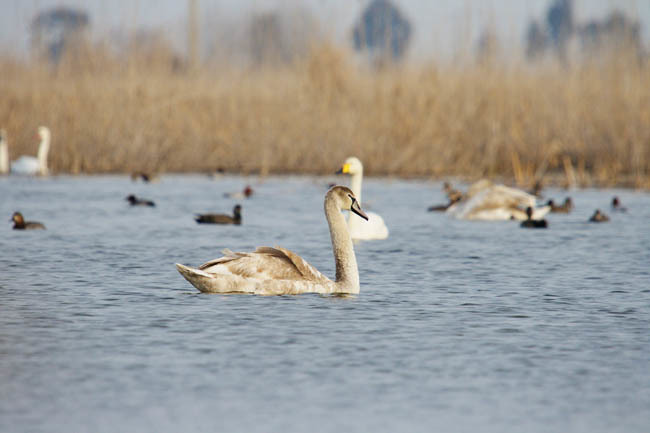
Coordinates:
[278,271]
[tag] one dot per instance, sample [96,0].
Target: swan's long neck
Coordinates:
[354,223]
[43,149]
[347,272]
[4,157]
[355,184]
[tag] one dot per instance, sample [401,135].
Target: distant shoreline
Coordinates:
[588,125]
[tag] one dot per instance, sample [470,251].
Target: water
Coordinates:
[459,326]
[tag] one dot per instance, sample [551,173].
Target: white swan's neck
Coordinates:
[355,184]
[347,272]
[4,157]
[43,150]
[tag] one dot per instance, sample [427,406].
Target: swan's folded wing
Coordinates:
[265,263]
[227,257]
[521,198]
[306,270]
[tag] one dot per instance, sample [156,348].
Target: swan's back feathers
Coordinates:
[495,202]
[25,165]
[265,263]
[306,270]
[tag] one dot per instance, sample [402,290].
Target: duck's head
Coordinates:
[345,200]
[568,202]
[237,210]
[616,202]
[529,212]
[352,165]
[550,203]
[17,218]
[248,191]
[131,198]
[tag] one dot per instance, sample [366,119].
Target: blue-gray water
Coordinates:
[459,326]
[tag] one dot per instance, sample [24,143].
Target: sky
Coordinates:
[441,26]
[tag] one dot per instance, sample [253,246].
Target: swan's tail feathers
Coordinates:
[213,283]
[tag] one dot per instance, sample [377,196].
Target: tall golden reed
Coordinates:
[589,123]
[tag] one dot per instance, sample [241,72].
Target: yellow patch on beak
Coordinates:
[346,168]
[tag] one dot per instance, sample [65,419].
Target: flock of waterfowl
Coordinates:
[489,202]
[276,271]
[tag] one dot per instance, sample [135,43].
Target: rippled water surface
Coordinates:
[459,326]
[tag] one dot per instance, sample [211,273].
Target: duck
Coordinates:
[210,218]
[217,174]
[531,223]
[278,271]
[135,201]
[452,193]
[144,177]
[444,207]
[617,206]
[598,217]
[489,202]
[374,228]
[245,193]
[30,166]
[564,208]
[4,152]
[21,224]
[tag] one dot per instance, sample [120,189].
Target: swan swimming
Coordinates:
[4,153]
[30,166]
[488,202]
[374,228]
[278,271]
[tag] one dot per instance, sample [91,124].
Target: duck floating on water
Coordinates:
[246,193]
[617,206]
[444,207]
[598,217]
[135,201]
[278,271]
[210,218]
[531,223]
[564,208]
[144,177]
[21,224]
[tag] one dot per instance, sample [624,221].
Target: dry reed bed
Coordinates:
[588,124]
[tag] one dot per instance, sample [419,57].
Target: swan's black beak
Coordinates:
[357,209]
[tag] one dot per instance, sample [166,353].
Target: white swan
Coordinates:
[374,228]
[4,153]
[488,202]
[28,165]
[278,271]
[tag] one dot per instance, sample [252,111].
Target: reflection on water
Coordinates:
[459,326]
